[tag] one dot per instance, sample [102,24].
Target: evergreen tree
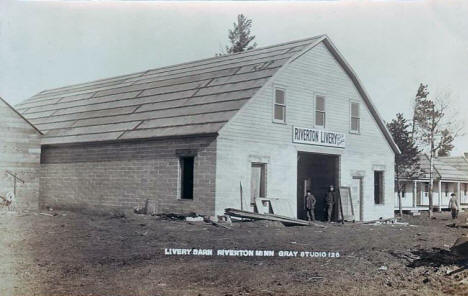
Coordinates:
[240,36]
[406,163]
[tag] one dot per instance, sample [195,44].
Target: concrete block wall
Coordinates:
[20,154]
[252,131]
[122,175]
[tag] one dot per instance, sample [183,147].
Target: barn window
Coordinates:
[378,187]
[186,177]
[279,108]
[355,118]
[320,111]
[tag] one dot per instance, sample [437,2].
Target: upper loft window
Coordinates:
[320,111]
[355,118]
[279,108]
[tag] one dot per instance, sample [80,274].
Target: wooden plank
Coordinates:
[188,120]
[232,87]
[81,138]
[87,86]
[85,102]
[93,129]
[270,217]
[32,104]
[38,114]
[186,77]
[83,115]
[55,125]
[126,103]
[165,113]
[186,130]
[173,88]
[196,100]
[243,77]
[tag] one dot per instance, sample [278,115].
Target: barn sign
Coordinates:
[318,137]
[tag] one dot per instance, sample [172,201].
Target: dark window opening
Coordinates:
[446,189]
[186,177]
[403,190]
[378,187]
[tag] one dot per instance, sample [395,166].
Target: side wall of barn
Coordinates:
[123,175]
[252,136]
[19,154]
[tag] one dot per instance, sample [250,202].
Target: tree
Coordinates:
[435,129]
[421,94]
[240,37]
[406,163]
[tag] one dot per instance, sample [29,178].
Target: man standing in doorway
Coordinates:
[310,206]
[331,198]
[453,206]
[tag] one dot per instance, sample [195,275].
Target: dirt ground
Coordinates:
[78,254]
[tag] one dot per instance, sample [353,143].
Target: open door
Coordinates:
[257,182]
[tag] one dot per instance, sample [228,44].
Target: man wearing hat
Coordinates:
[453,206]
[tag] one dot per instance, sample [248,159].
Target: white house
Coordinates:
[224,132]
[450,176]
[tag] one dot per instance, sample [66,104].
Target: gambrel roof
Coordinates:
[192,98]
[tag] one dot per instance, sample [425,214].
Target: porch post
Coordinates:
[440,194]
[414,194]
[459,193]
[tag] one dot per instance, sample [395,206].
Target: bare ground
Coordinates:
[78,254]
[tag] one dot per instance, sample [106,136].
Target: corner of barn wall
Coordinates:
[19,154]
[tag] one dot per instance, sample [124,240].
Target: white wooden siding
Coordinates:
[252,133]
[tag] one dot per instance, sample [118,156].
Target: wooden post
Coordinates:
[459,193]
[241,197]
[440,194]
[415,192]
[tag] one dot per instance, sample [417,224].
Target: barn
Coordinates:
[234,131]
[20,151]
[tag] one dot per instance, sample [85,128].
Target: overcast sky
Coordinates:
[393,46]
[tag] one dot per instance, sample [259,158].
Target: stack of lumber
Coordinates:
[270,217]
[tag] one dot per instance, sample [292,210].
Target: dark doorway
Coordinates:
[315,172]
[186,167]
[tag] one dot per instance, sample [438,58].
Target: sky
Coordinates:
[392,45]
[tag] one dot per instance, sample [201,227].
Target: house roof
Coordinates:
[449,168]
[452,167]
[192,98]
